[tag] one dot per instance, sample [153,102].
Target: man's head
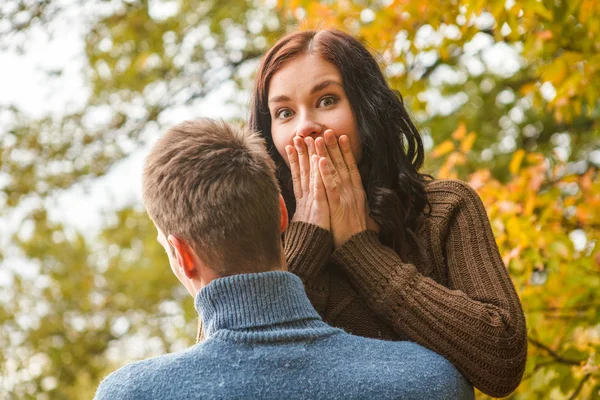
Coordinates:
[211,191]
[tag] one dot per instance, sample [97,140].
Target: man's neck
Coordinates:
[255,302]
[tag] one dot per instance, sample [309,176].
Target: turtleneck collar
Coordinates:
[251,301]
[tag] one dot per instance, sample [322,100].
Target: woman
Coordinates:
[383,250]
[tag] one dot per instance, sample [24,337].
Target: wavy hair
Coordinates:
[392,146]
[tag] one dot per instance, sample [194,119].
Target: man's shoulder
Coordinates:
[125,383]
[381,351]
[146,378]
[405,367]
[390,349]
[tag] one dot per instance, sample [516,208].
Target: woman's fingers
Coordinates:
[335,154]
[318,188]
[329,182]
[310,146]
[304,164]
[350,162]
[323,153]
[295,170]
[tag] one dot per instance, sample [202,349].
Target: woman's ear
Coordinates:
[284,215]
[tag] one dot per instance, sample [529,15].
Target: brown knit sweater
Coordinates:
[460,304]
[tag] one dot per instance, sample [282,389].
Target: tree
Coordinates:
[504,92]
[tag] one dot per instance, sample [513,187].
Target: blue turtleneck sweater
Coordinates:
[264,340]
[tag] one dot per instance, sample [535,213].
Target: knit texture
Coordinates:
[460,303]
[264,340]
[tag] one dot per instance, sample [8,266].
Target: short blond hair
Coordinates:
[213,185]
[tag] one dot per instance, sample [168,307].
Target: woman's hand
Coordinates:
[309,191]
[345,193]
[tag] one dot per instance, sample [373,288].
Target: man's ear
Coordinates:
[284,214]
[185,256]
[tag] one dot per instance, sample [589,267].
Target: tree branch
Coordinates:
[580,386]
[553,353]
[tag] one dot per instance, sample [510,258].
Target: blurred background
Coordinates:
[506,94]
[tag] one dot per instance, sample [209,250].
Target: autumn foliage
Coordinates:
[507,97]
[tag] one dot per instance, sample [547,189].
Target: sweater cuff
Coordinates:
[307,249]
[371,265]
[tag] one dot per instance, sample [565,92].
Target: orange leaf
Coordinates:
[528,88]
[460,132]
[545,35]
[444,148]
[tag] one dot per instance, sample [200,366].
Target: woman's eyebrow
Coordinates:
[323,85]
[315,89]
[279,99]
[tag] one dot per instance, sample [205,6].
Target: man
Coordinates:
[212,193]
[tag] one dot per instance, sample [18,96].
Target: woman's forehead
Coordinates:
[302,72]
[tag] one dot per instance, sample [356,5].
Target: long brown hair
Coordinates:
[392,146]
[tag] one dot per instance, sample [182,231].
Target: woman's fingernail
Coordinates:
[343,141]
[331,139]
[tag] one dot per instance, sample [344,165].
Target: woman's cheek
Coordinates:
[356,147]
[280,146]
[357,152]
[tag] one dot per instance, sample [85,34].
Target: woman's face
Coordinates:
[306,97]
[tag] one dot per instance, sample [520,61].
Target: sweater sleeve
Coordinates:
[307,250]
[476,322]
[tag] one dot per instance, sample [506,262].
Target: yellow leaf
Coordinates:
[459,133]
[529,203]
[535,158]
[444,148]
[555,72]
[572,57]
[542,11]
[467,144]
[516,161]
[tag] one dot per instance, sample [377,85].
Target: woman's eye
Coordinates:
[327,101]
[284,113]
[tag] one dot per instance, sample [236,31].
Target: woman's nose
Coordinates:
[308,127]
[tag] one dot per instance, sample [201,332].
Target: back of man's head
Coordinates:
[213,185]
